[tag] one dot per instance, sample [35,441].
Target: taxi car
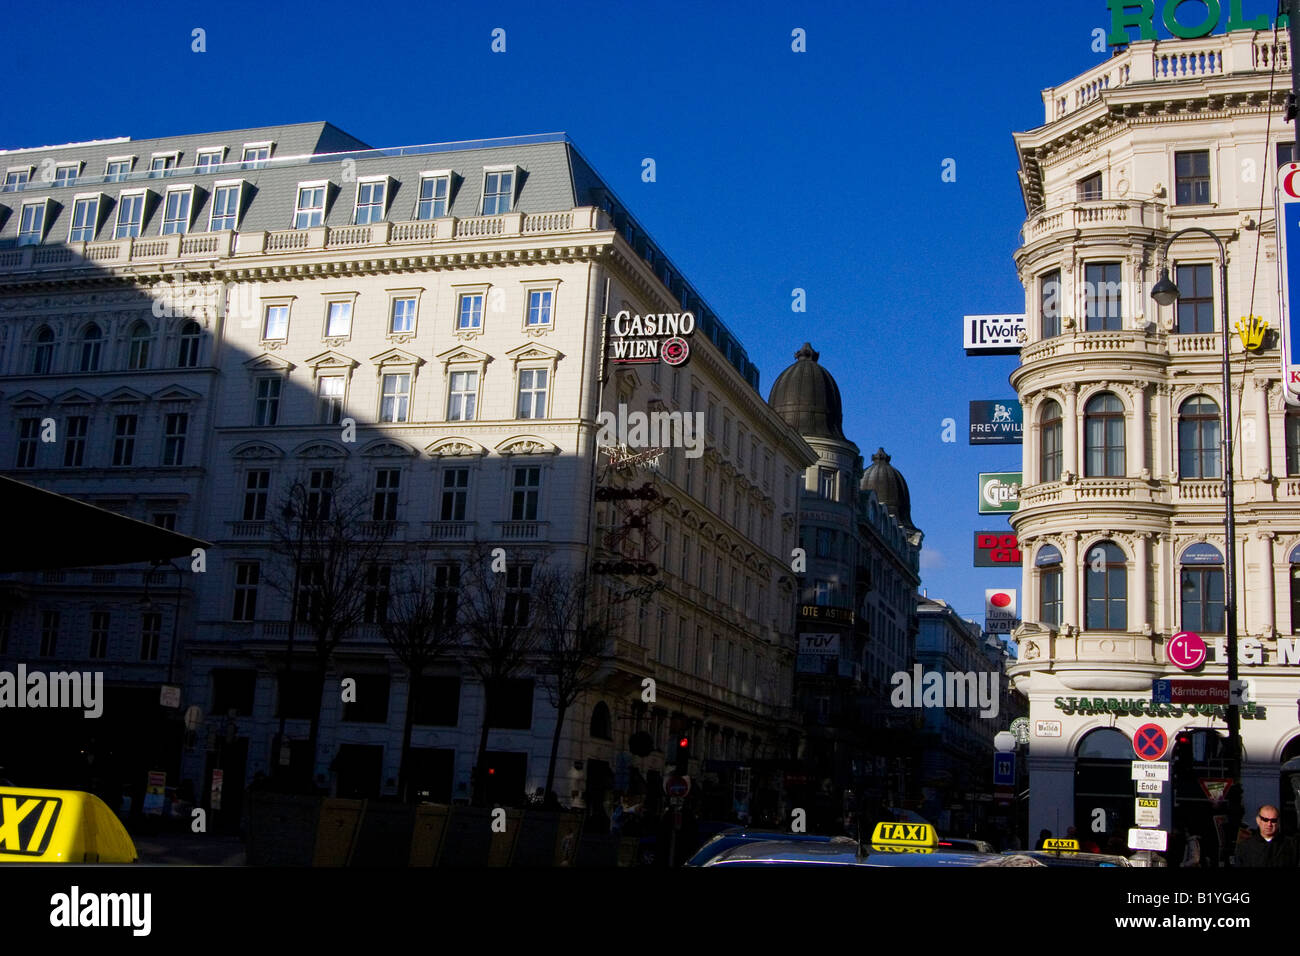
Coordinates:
[737,836]
[892,844]
[60,826]
[1059,852]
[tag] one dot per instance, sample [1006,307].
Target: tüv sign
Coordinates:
[1142,14]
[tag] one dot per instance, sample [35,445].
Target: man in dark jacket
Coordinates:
[1266,846]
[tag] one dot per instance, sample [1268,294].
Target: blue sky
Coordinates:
[775,170]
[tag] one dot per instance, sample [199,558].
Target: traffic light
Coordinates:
[1183,764]
[683,753]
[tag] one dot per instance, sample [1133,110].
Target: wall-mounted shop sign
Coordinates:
[1142,14]
[994,549]
[1287,209]
[640,339]
[1000,610]
[992,334]
[1128,706]
[999,422]
[826,615]
[999,492]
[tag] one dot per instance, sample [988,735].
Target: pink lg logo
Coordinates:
[1186,651]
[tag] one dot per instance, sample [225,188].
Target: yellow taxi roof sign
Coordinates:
[1060,844]
[905,834]
[60,826]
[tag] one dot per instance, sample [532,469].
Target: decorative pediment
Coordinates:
[28,397]
[125,395]
[256,450]
[534,352]
[75,396]
[455,447]
[175,393]
[463,355]
[526,445]
[330,361]
[396,357]
[626,379]
[387,448]
[268,363]
[320,448]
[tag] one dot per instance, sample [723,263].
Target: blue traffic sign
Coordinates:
[1004,769]
[1161,691]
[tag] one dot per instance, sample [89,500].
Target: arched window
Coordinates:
[139,357]
[1295,589]
[1048,562]
[1050,452]
[1200,588]
[1198,438]
[601,725]
[43,355]
[1106,586]
[92,343]
[1105,743]
[188,356]
[1103,436]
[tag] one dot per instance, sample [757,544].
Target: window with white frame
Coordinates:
[124,439]
[187,353]
[130,215]
[527,488]
[276,323]
[338,320]
[310,210]
[371,201]
[462,396]
[455,493]
[246,581]
[29,431]
[532,393]
[66,173]
[257,484]
[394,404]
[225,207]
[385,500]
[402,317]
[208,160]
[434,191]
[15,179]
[85,217]
[99,621]
[160,164]
[266,406]
[539,308]
[138,354]
[31,226]
[469,311]
[116,170]
[176,211]
[498,191]
[256,155]
[175,428]
[92,347]
[329,399]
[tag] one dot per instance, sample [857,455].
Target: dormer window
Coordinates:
[117,168]
[208,160]
[16,179]
[160,163]
[435,191]
[176,211]
[372,201]
[256,155]
[311,205]
[498,189]
[130,215]
[66,173]
[31,224]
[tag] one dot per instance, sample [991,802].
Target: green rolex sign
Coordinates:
[1142,14]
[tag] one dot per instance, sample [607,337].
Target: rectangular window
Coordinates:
[150,635]
[74,441]
[375,608]
[1201,591]
[311,207]
[85,216]
[276,325]
[255,157]
[461,400]
[117,170]
[208,161]
[65,175]
[532,393]
[1285,154]
[176,212]
[1090,188]
[266,409]
[15,180]
[455,492]
[433,198]
[527,487]
[1049,298]
[175,428]
[395,404]
[49,633]
[99,621]
[519,582]
[370,202]
[825,542]
[826,483]
[329,399]
[31,225]
[124,439]
[1192,175]
[1196,298]
[1049,610]
[130,216]
[247,574]
[385,500]
[159,166]
[446,591]
[257,485]
[29,432]
[403,317]
[1103,292]
[470,312]
[498,190]
[225,208]
[320,494]
[339,322]
[539,308]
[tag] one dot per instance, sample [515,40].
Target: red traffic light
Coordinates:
[684,743]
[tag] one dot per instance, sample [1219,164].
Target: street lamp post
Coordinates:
[1165,292]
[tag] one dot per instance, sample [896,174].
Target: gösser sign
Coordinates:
[1287,206]
[999,492]
[993,334]
[1143,15]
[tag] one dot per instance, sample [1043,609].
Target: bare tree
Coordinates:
[324,528]
[497,608]
[421,624]
[572,637]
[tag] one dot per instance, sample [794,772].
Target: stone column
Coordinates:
[1070,580]
[1267,584]
[1141,562]
[1071,429]
[1162,465]
[1140,396]
[1263,446]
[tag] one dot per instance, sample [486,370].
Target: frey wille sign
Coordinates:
[1142,14]
[642,339]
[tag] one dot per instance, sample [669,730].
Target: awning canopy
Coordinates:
[44,530]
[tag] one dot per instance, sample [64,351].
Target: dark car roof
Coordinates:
[721,842]
[791,853]
[1053,858]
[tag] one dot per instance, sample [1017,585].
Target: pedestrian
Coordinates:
[1043,836]
[1192,851]
[1267,846]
